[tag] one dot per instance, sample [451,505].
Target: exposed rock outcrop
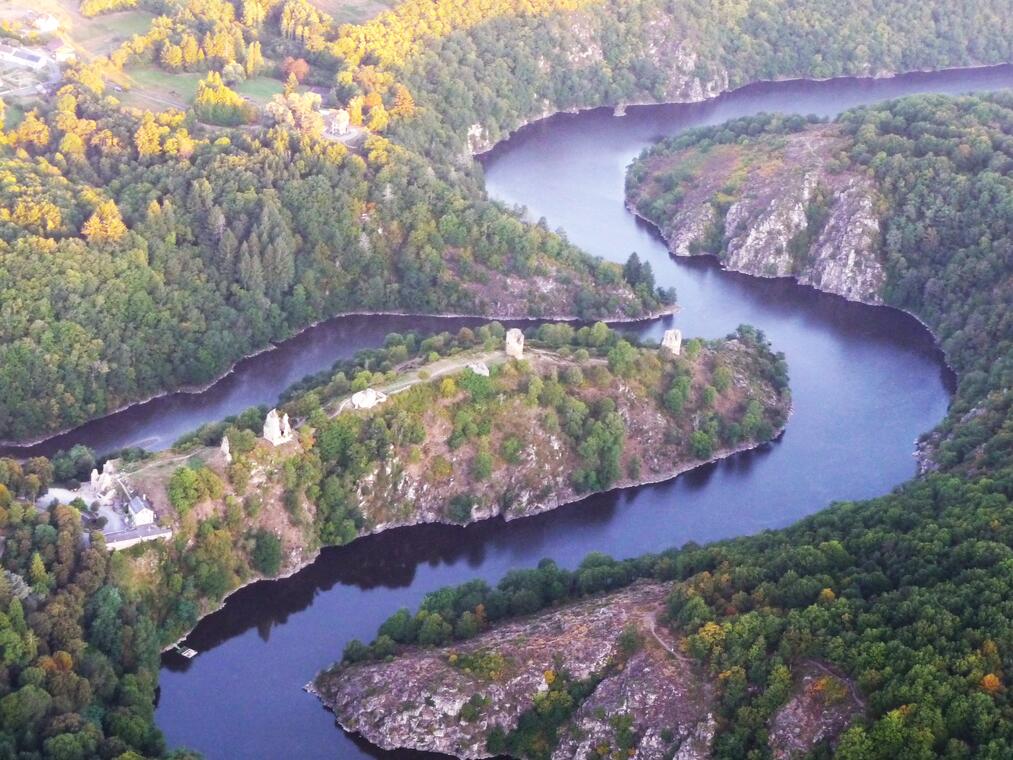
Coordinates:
[647,700]
[659,690]
[409,490]
[771,208]
[821,706]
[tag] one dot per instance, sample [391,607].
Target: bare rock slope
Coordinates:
[774,207]
[644,698]
[418,700]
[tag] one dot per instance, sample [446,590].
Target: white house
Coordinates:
[336,122]
[22,57]
[45,23]
[140,512]
[124,539]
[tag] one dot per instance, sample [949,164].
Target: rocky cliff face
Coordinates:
[668,701]
[777,207]
[647,700]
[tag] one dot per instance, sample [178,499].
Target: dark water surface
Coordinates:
[866,381]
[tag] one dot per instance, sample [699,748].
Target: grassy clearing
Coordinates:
[156,90]
[13,116]
[260,88]
[93,37]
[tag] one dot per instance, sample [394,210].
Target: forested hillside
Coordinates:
[909,594]
[171,248]
[143,251]
[584,412]
[80,655]
[154,258]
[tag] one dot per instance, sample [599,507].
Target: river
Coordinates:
[865,381]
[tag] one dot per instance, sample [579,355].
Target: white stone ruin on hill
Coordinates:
[515,343]
[277,429]
[367,399]
[479,368]
[672,342]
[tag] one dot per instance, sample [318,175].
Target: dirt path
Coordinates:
[160,462]
[851,686]
[650,620]
[435,369]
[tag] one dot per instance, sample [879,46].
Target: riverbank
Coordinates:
[482,150]
[874,415]
[294,568]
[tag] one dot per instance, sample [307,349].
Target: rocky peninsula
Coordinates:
[781,204]
[601,677]
[446,429]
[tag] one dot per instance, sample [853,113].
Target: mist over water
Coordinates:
[865,382]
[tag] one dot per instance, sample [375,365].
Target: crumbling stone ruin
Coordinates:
[479,368]
[367,399]
[514,343]
[277,429]
[672,342]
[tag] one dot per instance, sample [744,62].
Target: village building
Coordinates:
[44,23]
[64,54]
[139,511]
[336,121]
[22,57]
[124,539]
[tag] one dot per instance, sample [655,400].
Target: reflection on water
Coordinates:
[865,382]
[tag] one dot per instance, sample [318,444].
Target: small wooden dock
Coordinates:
[186,651]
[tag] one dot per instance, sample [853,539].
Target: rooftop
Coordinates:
[136,505]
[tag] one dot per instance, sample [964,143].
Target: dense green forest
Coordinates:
[141,252]
[908,593]
[80,657]
[195,253]
[84,628]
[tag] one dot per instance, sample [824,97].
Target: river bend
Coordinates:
[865,381]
